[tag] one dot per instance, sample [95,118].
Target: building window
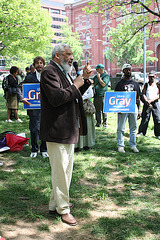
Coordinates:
[46,8]
[57,19]
[56,41]
[87,19]
[81,37]
[2,62]
[87,39]
[87,57]
[55,11]
[63,12]
[80,21]
[53,41]
[107,15]
[107,30]
[56,26]
[58,34]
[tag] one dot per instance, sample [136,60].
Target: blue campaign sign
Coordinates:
[124,102]
[32,92]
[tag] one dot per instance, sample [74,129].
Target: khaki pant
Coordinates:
[61,158]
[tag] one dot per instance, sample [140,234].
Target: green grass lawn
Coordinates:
[116,195]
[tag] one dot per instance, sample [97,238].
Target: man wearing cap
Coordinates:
[150,95]
[101,81]
[126,84]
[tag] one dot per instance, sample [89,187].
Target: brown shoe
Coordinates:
[69,219]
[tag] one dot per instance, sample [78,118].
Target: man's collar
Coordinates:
[58,65]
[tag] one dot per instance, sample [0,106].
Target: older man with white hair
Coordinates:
[127,84]
[62,119]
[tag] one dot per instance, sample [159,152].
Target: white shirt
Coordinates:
[152,91]
[38,75]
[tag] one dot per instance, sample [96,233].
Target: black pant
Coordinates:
[34,142]
[34,126]
[99,105]
[146,117]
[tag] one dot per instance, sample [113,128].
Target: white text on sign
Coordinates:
[33,95]
[119,101]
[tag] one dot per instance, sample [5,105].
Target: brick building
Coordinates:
[92,30]
[57,12]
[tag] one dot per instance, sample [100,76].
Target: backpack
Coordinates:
[5,84]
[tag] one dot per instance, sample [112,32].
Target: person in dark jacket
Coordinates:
[62,119]
[12,102]
[34,114]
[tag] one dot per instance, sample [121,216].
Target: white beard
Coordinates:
[66,67]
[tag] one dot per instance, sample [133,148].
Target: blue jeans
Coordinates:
[132,120]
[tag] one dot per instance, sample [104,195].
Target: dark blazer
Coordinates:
[12,82]
[30,78]
[61,107]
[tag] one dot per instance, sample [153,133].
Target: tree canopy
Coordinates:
[146,12]
[131,52]
[25,28]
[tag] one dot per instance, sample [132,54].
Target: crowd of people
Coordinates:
[67,112]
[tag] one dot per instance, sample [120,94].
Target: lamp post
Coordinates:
[144,51]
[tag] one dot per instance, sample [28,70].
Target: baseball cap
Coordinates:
[99,66]
[126,65]
[152,74]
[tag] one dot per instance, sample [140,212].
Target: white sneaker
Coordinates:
[9,120]
[121,149]
[135,150]
[44,154]
[19,120]
[139,134]
[33,154]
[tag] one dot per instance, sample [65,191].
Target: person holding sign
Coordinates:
[62,120]
[126,84]
[34,114]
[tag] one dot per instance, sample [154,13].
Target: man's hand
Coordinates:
[78,81]
[98,74]
[87,71]
[24,100]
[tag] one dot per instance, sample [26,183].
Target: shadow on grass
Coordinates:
[137,172]
[27,186]
[132,225]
